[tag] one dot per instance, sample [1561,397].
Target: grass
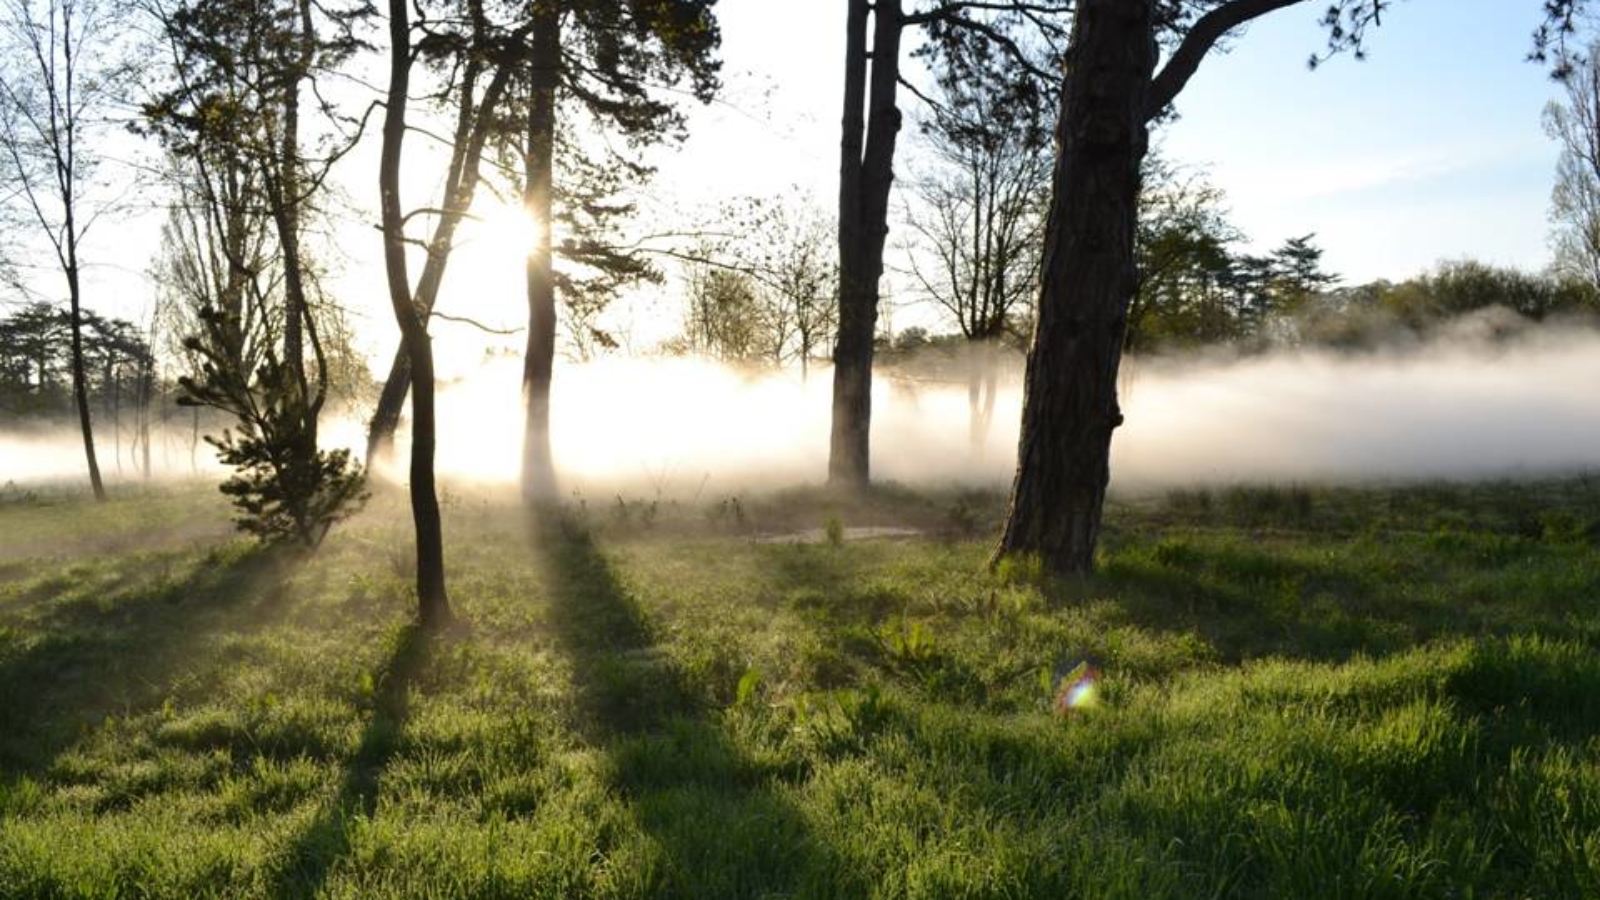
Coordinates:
[1301,692]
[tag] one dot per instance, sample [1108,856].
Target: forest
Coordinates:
[430,468]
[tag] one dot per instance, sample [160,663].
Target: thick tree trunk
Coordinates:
[870,126]
[1070,406]
[433,605]
[538,466]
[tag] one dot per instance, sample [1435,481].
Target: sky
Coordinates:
[1431,149]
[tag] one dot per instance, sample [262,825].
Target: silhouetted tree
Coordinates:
[725,320]
[32,341]
[478,58]
[777,256]
[593,69]
[1297,274]
[481,57]
[802,278]
[1192,288]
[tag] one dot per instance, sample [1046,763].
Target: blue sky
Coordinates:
[1430,149]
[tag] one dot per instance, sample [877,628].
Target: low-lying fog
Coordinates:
[1453,407]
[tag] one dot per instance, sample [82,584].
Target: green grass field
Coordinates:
[1301,693]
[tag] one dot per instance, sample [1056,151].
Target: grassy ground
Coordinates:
[1301,693]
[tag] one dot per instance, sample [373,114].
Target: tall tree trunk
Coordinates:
[80,381]
[433,605]
[538,466]
[287,208]
[472,129]
[147,379]
[870,126]
[391,401]
[1070,405]
[113,386]
[288,213]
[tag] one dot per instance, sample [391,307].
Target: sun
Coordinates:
[501,230]
[486,283]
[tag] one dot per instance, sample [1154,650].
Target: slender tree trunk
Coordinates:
[80,385]
[1070,405]
[460,186]
[538,466]
[870,126]
[113,405]
[432,602]
[289,216]
[981,386]
[146,388]
[974,408]
[391,401]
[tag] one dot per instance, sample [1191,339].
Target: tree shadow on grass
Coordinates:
[717,815]
[118,645]
[326,840]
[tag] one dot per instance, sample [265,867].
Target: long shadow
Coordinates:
[716,813]
[323,843]
[80,654]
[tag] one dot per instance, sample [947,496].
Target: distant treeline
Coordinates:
[36,365]
[1258,303]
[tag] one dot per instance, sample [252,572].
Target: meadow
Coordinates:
[1279,692]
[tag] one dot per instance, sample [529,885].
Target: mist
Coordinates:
[1465,404]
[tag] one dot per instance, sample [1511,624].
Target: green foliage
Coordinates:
[1017,569]
[833,530]
[285,488]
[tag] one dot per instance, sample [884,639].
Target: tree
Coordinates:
[233,123]
[605,64]
[31,341]
[1297,274]
[870,126]
[59,63]
[481,60]
[1574,123]
[726,319]
[803,281]
[1111,91]
[1192,288]
[284,487]
[979,212]
[118,363]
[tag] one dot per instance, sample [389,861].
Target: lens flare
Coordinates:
[1077,689]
